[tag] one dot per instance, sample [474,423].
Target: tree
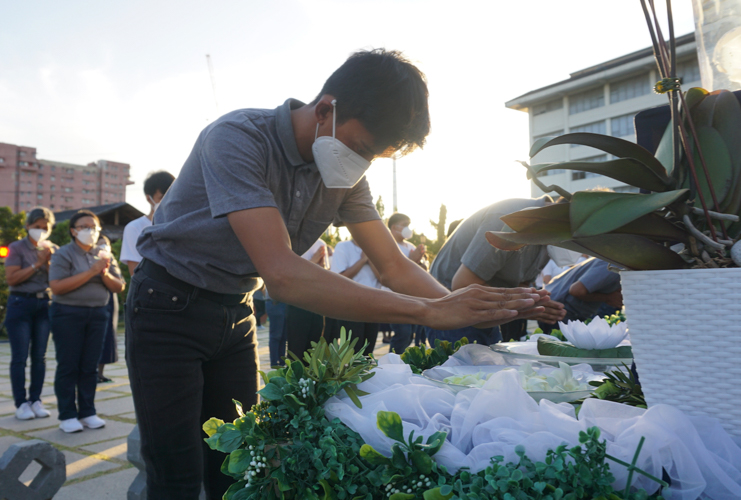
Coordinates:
[60,234]
[330,237]
[440,224]
[12,226]
[380,206]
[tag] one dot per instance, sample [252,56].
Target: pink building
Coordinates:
[26,181]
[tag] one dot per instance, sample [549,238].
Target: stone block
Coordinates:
[16,460]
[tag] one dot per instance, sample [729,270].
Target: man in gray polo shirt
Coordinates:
[258,189]
[467,258]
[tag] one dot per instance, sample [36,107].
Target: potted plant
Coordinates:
[675,241]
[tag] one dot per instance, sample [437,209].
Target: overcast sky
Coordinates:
[128,81]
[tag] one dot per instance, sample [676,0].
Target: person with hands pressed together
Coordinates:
[468,259]
[266,184]
[27,314]
[81,282]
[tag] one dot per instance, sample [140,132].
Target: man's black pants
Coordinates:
[188,356]
[364,332]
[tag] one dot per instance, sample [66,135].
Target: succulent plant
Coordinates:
[679,203]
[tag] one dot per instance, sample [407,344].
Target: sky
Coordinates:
[129,81]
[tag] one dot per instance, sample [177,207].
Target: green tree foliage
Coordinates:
[440,224]
[380,207]
[331,236]
[12,226]
[60,234]
[116,250]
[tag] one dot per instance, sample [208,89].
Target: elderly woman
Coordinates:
[81,281]
[27,315]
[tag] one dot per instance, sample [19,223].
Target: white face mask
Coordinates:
[87,236]
[38,235]
[155,206]
[563,257]
[406,233]
[339,166]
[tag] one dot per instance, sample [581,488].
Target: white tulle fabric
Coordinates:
[699,456]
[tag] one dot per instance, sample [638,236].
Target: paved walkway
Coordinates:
[97,468]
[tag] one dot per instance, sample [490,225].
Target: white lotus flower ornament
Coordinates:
[598,334]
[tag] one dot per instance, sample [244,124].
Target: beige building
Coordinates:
[602,99]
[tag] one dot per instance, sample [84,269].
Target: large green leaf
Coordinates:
[549,218]
[631,251]
[718,161]
[627,170]
[595,213]
[612,145]
[727,121]
[655,227]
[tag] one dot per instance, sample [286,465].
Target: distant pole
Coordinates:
[396,206]
[213,81]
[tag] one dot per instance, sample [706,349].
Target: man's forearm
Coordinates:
[410,279]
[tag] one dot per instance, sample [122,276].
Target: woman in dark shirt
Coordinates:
[27,316]
[81,281]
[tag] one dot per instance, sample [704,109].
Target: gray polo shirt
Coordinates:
[596,278]
[500,268]
[70,260]
[246,159]
[22,253]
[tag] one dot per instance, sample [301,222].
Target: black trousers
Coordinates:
[188,356]
[302,328]
[514,330]
[364,332]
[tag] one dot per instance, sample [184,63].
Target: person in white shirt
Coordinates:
[155,187]
[550,271]
[304,327]
[399,224]
[350,261]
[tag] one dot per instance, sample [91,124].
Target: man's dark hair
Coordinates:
[398,218]
[158,181]
[79,215]
[387,94]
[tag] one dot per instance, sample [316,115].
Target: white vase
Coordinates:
[685,328]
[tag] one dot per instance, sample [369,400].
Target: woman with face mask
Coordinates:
[81,278]
[27,315]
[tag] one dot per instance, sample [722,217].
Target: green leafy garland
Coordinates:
[286,448]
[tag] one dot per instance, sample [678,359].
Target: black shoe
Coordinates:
[103,380]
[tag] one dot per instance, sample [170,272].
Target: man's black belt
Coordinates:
[33,295]
[159,273]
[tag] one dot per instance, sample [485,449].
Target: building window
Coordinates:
[688,71]
[22,163]
[53,168]
[22,153]
[2,160]
[585,101]
[629,88]
[53,178]
[52,187]
[549,134]
[41,176]
[622,126]
[555,171]
[547,107]
[39,196]
[67,190]
[51,206]
[39,186]
[594,128]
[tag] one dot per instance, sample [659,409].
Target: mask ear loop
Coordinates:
[334,117]
[334,121]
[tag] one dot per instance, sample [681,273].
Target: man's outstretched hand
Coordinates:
[482,306]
